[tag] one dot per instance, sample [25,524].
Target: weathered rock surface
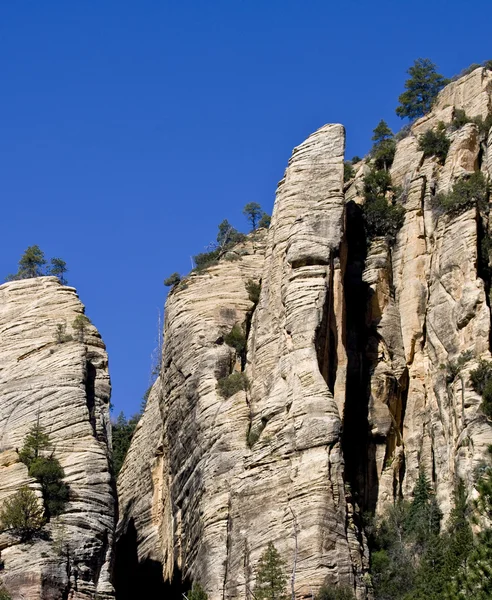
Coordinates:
[65,385]
[348,356]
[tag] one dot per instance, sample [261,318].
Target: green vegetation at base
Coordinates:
[33,264]
[196,593]
[328,592]
[271,580]
[47,470]
[435,143]
[466,193]
[233,383]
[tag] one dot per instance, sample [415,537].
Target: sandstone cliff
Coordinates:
[65,386]
[348,356]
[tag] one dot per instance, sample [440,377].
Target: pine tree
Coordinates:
[58,269]
[421,89]
[424,517]
[271,580]
[459,538]
[36,440]
[383,151]
[381,133]
[31,263]
[252,211]
[22,515]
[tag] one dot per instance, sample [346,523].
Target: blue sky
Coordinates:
[129,130]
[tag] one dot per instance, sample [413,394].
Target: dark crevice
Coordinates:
[326,340]
[90,394]
[358,450]
[484,270]
[134,579]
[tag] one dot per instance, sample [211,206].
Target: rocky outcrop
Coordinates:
[351,361]
[57,376]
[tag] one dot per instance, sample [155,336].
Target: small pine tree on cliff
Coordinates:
[271,580]
[421,89]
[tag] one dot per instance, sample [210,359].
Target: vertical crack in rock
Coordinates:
[326,338]
[90,394]
[358,455]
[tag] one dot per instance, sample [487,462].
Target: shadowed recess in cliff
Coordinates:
[326,336]
[134,579]
[360,466]
[90,394]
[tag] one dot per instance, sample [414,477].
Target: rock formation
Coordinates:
[58,376]
[349,358]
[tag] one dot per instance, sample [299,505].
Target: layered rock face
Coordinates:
[351,362]
[428,305]
[64,385]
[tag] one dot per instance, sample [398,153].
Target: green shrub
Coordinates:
[22,515]
[328,592]
[465,193]
[381,217]
[355,159]
[461,118]
[4,595]
[46,470]
[204,260]
[196,593]
[236,339]
[172,280]
[481,380]
[435,143]
[79,325]
[233,383]
[348,171]
[50,474]
[253,290]
[265,221]
[376,184]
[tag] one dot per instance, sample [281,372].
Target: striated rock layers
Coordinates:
[57,376]
[351,359]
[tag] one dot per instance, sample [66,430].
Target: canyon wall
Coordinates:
[57,376]
[350,356]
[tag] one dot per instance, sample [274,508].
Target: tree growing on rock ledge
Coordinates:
[421,89]
[33,264]
[22,515]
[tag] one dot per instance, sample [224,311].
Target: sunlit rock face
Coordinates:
[349,392]
[63,385]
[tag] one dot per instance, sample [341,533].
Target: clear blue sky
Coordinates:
[129,130]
